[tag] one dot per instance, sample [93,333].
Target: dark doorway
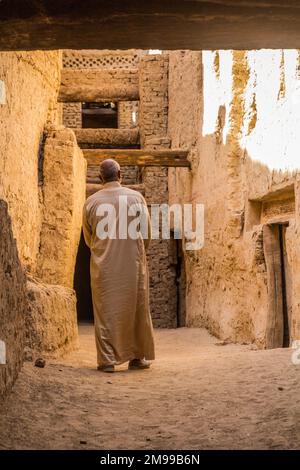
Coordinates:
[286,286]
[83,289]
[279,286]
[178,267]
[82,283]
[99,115]
[181,286]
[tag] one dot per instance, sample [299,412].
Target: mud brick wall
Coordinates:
[103,59]
[13,303]
[72,116]
[51,320]
[152,120]
[161,256]
[153,82]
[129,174]
[64,196]
[31,81]
[243,184]
[153,123]
[125,114]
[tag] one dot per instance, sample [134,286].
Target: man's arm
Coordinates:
[149,229]
[87,232]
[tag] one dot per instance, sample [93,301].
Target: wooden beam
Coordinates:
[107,138]
[93,188]
[93,85]
[152,24]
[142,157]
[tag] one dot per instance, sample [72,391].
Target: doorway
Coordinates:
[279,286]
[176,271]
[100,115]
[82,283]
[181,285]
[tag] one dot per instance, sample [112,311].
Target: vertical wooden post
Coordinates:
[274,328]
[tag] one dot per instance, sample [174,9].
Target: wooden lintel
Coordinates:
[92,85]
[107,138]
[143,157]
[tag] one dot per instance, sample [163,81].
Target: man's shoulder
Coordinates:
[132,192]
[94,197]
[102,195]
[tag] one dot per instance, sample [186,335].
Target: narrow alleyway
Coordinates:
[199,394]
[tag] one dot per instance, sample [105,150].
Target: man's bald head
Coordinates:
[110,171]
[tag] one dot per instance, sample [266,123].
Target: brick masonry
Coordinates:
[152,119]
[72,116]
[13,303]
[153,124]
[125,114]
[104,60]
[161,256]
[153,78]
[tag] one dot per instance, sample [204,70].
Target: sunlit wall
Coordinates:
[271,124]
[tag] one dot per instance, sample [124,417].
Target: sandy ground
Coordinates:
[197,395]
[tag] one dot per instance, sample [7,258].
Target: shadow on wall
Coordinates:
[13,304]
[82,283]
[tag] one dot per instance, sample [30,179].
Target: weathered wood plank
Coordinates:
[107,138]
[156,24]
[143,157]
[93,85]
[274,327]
[93,188]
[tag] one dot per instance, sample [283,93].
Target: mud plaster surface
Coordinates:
[196,396]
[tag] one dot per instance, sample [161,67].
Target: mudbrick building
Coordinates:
[186,127]
[135,116]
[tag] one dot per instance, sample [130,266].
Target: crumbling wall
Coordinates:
[221,295]
[64,173]
[44,186]
[13,304]
[51,320]
[293,254]
[29,87]
[223,105]
[31,81]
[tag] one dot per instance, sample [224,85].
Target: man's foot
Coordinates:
[107,368]
[136,364]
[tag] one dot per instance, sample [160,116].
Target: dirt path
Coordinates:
[196,396]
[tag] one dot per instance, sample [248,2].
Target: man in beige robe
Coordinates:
[119,276]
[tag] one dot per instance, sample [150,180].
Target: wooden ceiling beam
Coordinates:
[137,157]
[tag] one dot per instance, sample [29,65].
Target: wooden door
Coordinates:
[287,297]
[273,258]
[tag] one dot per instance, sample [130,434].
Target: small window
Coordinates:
[99,115]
